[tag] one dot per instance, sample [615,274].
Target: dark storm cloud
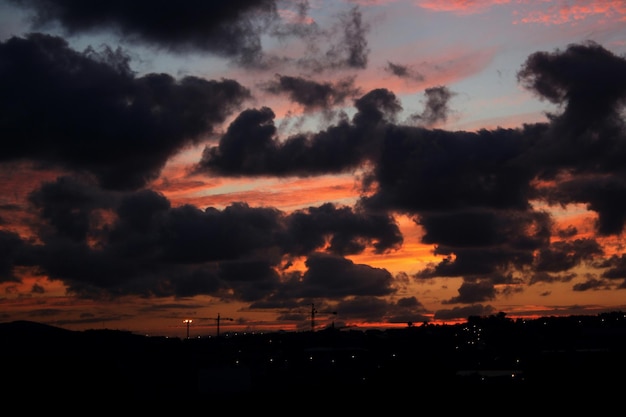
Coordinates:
[342,305]
[471,192]
[104,243]
[374,309]
[587,139]
[11,246]
[591,284]
[406,310]
[470,262]
[251,147]
[564,255]
[69,208]
[420,170]
[615,267]
[604,194]
[464,312]
[248,147]
[543,276]
[351,232]
[476,228]
[312,95]
[378,105]
[88,112]
[191,235]
[473,292]
[331,276]
[436,107]
[584,78]
[568,232]
[250,280]
[483,243]
[423,170]
[229,28]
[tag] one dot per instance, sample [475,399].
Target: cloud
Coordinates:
[251,147]
[459,6]
[560,12]
[563,13]
[233,30]
[312,95]
[103,234]
[471,192]
[103,243]
[584,79]
[227,28]
[473,292]
[87,112]
[406,310]
[355,45]
[584,144]
[331,276]
[615,267]
[404,71]
[11,246]
[463,312]
[436,108]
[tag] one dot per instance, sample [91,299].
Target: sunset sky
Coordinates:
[392,162]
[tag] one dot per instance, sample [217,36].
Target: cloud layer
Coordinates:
[479,197]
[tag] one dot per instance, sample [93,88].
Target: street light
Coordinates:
[188,322]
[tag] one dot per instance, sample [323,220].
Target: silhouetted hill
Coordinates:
[27,328]
[88,364]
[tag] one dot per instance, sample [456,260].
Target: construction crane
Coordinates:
[218,319]
[314,312]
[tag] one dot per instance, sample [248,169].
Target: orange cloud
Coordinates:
[17,181]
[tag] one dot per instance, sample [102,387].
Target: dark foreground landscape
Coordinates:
[570,359]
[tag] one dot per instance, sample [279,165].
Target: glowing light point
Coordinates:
[188,322]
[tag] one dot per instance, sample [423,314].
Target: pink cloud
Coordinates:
[460,6]
[574,11]
[447,67]
[546,12]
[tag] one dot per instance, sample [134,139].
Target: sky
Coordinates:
[263,165]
